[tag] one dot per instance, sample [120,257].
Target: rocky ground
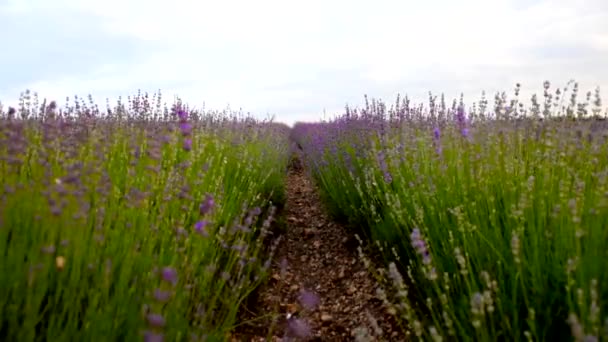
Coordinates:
[319,285]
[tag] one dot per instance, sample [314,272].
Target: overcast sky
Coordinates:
[296,59]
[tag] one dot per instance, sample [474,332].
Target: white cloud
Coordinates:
[296,58]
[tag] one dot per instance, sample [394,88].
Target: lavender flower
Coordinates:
[150,336]
[186,128]
[298,328]
[162,296]
[169,274]
[182,115]
[465,132]
[384,167]
[207,205]
[308,299]
[461,121]
[156,320]
[437,140]
[199,227]
[420,246]
[187,146]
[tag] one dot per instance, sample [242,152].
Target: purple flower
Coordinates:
[298,328]
[308,299]
[182,115]
[207,204]
[156,320]
[186,128]
[162,296]
[199,227]
[248,221]
[169,274]
[420,246]
[150,336]
[436,133]
[460,115]
[187,146]
[437,141]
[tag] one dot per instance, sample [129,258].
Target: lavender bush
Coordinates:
[138,221]
[492,221]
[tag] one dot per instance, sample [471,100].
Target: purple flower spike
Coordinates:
[298,328]
[420,246]
[186,128]
[308,299]
[169,275]
[182,114]
[162,296]
[187,144]
[465,132]
[436,133]
[207,205]
[156,320]
[199,227]
[150,336]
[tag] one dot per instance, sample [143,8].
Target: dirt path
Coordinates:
[319,285]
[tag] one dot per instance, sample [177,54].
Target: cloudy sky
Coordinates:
[298,59]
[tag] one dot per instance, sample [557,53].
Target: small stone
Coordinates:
[317,243]
[294,287]
[341,274]
[325,317]
[276,277]
[292,308]
[308,232]
[303,258]
[351,290]
[60,262]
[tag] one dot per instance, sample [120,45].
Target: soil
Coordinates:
[317,257]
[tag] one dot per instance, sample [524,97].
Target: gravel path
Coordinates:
[319,285]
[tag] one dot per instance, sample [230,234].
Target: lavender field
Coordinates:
[491,220]
[137,221]
[147,221]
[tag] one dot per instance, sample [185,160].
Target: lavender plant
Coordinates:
[140,221]
[493,221]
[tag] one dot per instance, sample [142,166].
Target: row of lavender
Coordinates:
[493,222]
[137,221]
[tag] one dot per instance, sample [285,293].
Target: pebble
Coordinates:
[351,290]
